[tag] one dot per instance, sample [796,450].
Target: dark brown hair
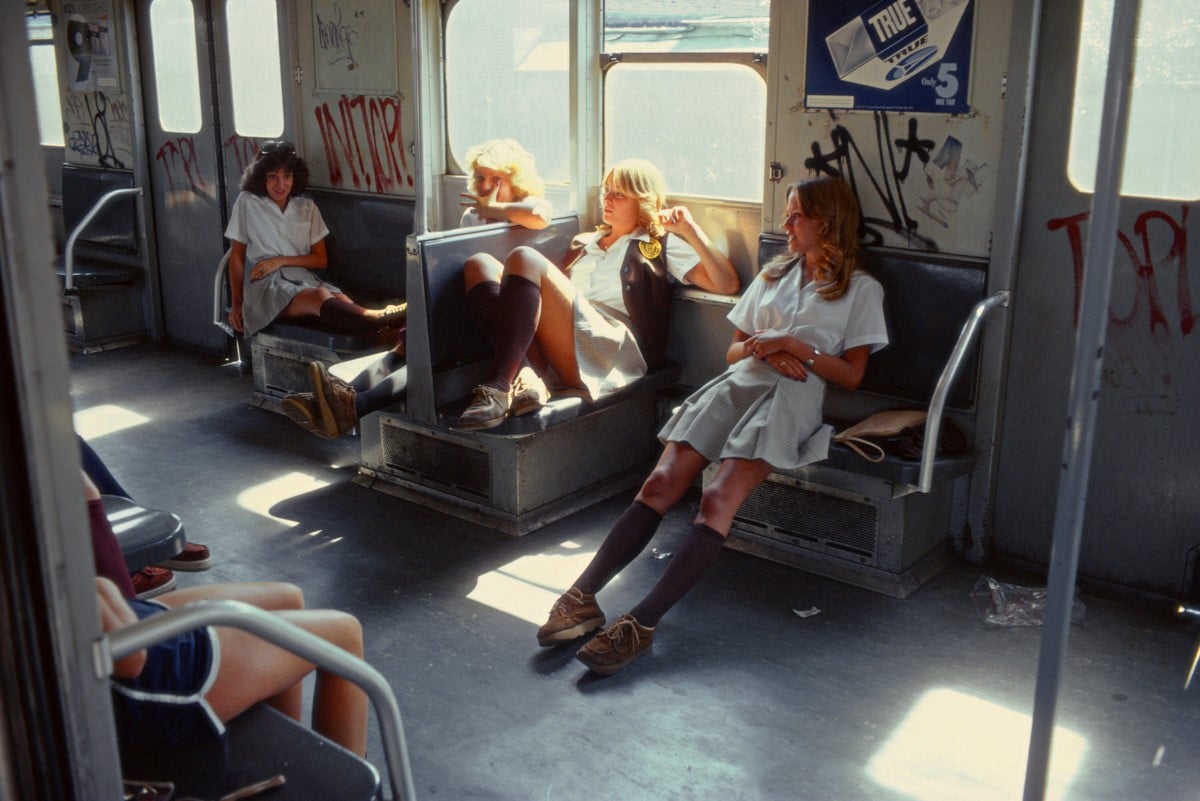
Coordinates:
[275,155]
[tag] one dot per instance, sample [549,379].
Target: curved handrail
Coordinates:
[274,629]
[219,297]
[937,404]
[105,199]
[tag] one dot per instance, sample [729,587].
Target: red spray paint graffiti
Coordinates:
[243,149]
[365,140]
[1144,263]
[180,153]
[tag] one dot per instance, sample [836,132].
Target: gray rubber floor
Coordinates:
[862,697]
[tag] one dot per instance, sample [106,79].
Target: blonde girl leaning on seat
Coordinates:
[504,187]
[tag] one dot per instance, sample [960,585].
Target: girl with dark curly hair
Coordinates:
[277,238]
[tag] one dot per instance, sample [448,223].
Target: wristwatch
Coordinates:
[809,361]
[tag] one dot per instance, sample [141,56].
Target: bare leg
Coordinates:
[735,480]
[253,670]
[677,468]
[273,596]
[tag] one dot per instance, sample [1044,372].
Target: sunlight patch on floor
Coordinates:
[262,497]
[108,418]
[954,745]
[526,588]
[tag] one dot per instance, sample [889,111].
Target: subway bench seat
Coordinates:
[529,471]
[102,268]
[874,524]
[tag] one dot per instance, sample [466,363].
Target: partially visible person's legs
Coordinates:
[252,670]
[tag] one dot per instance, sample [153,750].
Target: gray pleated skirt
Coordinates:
[606,350]
[264,300]
[750,411]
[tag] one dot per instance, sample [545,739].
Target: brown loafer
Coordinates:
[335,401]
[612,649]
[302,410]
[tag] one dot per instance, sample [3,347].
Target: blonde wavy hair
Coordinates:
[831,201]
[640,179]
[507,156]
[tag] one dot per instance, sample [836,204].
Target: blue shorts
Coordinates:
[164,706]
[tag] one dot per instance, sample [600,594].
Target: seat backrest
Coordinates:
[367,236]
[116,225]
[927,298]
[441,334]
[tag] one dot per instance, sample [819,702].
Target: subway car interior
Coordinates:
[1003,604]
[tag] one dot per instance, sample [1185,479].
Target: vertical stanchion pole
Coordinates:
[1085,393]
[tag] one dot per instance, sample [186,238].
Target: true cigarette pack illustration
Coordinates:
[892,40]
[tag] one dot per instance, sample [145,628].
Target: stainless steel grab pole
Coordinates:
[1085,393]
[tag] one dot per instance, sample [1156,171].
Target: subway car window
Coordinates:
[45,79]
[663,65]
[256,83]
[510,79]
[1160,155]
[173,40]
[718,153]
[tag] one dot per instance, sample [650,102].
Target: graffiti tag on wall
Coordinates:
[881,179]
[336,38]
[364,143]
[184,180]
[97,129]
[1159,241]
[1155,253]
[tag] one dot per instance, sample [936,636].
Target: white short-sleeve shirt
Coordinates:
[268,231]
[832,326]
[597,273]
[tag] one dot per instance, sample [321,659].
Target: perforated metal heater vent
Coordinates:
[284,374]
[784,512]
[462,470]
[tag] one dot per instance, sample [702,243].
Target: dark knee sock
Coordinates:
[699,550]
[520,301]
[385,393]
[629,536]
[346,318]
[381,371]
[483,304]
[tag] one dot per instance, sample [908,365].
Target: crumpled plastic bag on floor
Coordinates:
[1001,604]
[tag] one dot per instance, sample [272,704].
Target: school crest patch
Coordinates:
[651,249]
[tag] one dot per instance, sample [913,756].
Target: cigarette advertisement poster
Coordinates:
[894,55]
[91,59]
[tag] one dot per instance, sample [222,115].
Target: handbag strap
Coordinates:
[853,444]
